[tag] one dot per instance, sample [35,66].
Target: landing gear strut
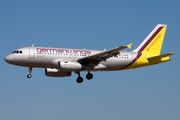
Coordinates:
[89,75]
[30,71]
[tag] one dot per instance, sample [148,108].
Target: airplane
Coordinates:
[61,62]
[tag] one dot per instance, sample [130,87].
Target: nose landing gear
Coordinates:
[29,76]
[30,71]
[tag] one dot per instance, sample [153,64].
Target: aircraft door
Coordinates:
[32,52]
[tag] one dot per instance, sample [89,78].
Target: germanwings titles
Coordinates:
[61,62]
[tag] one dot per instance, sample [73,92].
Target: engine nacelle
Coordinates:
[70,66]
[67,65]
[55,73]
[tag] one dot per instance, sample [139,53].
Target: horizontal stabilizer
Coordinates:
[159,57]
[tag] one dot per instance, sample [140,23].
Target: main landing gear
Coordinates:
[80,79]
[30,71]
[89,76]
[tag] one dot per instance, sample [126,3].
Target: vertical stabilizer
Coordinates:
[153,41]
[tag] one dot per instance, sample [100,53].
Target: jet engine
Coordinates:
[70,66]
[67,65]
[55,73]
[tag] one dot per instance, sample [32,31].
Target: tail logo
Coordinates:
[153,43]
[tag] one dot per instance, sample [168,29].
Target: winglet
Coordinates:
[129,46]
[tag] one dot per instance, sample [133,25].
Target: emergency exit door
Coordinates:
[32,52]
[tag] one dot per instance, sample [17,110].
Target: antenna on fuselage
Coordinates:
[32,45]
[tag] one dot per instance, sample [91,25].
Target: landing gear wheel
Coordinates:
[29,76]
[89,76]
[79,80]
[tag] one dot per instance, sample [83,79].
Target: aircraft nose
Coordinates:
[8,58]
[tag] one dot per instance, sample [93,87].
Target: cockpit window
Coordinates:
[19,52]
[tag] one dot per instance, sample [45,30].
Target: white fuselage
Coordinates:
[43,57]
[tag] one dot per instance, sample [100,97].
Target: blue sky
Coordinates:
[144,93]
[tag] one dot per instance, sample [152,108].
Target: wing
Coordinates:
[93,60]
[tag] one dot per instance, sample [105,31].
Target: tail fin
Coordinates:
[153,41]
